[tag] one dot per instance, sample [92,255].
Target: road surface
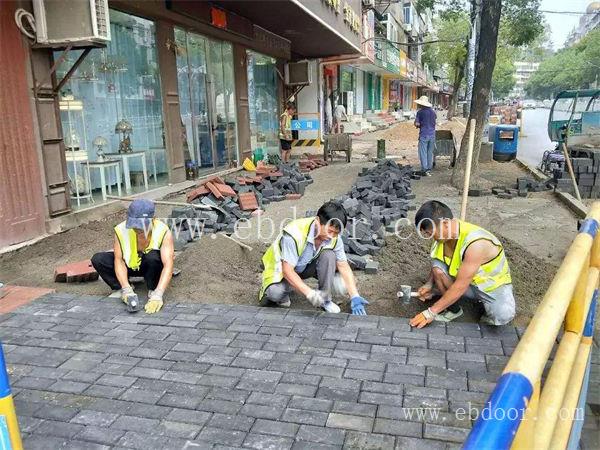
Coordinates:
[534,141]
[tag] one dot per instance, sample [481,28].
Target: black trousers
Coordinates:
[150,269]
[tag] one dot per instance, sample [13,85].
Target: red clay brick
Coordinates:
[197,192]
[293,196]
[276,174]
[15,296]
[225,190]
[247,201]
[213,189]
[75,272]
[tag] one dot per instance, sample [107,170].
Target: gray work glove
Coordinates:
[317,298]
[131,299]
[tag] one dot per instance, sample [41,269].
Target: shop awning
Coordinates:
[314,28]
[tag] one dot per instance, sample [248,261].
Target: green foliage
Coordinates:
[523,21]
[503,79]
[452,33]
[570,68]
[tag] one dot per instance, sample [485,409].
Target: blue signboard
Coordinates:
[305,124]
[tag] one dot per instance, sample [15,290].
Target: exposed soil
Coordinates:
[536,231]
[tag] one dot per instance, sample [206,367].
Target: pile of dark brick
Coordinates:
[587,175]
[379,197]
[236,198]
[521,188]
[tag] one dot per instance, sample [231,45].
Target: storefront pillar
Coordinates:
[240,62]
[170,99]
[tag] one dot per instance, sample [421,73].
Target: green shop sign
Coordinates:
[387,56]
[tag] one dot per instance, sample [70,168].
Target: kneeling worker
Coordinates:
[467,261]
[310,248]
[143,246]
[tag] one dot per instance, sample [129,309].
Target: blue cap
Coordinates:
[140,214]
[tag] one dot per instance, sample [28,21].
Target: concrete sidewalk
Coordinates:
[85,374]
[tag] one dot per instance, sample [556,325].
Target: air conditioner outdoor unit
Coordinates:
[297,73]
[71,21]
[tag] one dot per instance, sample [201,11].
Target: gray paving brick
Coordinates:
[40,442]
[220,436]
[341,334]
[274,427]
[336,362]
[296,389]
[96,418]
[350,422]
[331,371]
[383,388]
[34,382]
[307,445]
[445,433]
[142,441]
[366,365]
[116,380]
[337,394]
[134,394]
[301,378]
[398,427]
[59,429]
[219,406]
[262,411]
[231,395]
[311,404]
[100,435]
[368,441]
[73,387]
[148,411]
[261,398]
[380,399]
[179,401]
[408,443]
[52,412]
[266,442]
[138,424]
[452,343]
[353,346]
[302,416]
[357,374]
[356,409]
[231,422]
[321,435]
[146,372]
[340,383]
[188,416]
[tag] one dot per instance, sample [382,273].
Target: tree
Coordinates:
[575,67]
[484,70]
[503,79]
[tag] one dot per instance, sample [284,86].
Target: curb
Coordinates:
[569,201]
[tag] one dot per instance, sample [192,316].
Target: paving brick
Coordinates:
[444,433]
[148,411]
[185,415]
[304,417]
[231,422]
[350,422]
[355,409]
[368,441]
[178,429]
[383,388]
[316,369]
[52,412]
[100,435]
[276,428]
[398,427]
[96,418]
[116,380]
[300,378]
[219,406]
[59,429]
[408,443]
[311,404]
[380,399]
[337,394]
[75,272]
[261,398]
[358,374]
[340,383]
[220,436]
[296,389]
[321,435]
[138,424]
[262,411]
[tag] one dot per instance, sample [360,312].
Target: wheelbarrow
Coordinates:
[341,142]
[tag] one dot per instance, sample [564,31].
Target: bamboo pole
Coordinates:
[168,203]
[241,244]
[463,208]
[570,167]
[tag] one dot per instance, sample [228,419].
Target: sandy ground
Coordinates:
[536,230]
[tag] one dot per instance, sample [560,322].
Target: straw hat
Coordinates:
[423,101]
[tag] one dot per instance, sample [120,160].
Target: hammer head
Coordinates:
[405,291]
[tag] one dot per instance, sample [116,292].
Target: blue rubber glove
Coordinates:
[357,304]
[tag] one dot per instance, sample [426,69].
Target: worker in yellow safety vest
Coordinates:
[285,132]
[143,246]
[467,261]
[311,248]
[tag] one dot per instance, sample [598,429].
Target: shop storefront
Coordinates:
[263,102]
[207,102]
[111,115]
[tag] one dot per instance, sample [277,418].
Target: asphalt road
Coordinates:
[534,141]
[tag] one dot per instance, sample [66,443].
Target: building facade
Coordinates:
[523,72]
[183,89]
[588,22]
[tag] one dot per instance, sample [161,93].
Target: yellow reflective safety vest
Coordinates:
[490,275]
[298,230]
[128,241]
[286,133]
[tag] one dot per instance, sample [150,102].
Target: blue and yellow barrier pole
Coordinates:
[515,395]
[7,407]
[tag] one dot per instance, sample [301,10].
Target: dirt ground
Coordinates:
[536,231]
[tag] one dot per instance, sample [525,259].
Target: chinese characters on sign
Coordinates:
[350,16]
[305,124]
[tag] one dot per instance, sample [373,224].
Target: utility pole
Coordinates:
[472,50]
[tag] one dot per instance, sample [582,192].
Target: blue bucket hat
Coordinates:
[140,214]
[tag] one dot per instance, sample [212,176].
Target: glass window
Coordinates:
[262,100]
[112,104]
[207,102]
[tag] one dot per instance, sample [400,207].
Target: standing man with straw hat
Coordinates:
[425,122]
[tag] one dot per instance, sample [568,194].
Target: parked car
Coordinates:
[529,104]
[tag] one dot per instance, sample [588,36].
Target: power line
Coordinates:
[575,13]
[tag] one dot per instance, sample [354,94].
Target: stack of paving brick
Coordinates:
[379,197]
[234,199]
[520,189]
[587,174]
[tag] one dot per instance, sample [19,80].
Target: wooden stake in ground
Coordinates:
[465,196]
[570,167]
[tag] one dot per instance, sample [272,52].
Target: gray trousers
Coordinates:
[322,268]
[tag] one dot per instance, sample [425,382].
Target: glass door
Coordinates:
[207,101]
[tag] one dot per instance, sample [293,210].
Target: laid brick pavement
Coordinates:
[87,375]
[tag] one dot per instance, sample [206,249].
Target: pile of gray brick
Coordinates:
[587,175]
[521,188]
[379,197]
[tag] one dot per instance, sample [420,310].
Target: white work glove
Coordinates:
[126,293]
[155,301]
[316,298]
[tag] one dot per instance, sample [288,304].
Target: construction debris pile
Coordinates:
[587,175]
[379,197]
[238,198]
